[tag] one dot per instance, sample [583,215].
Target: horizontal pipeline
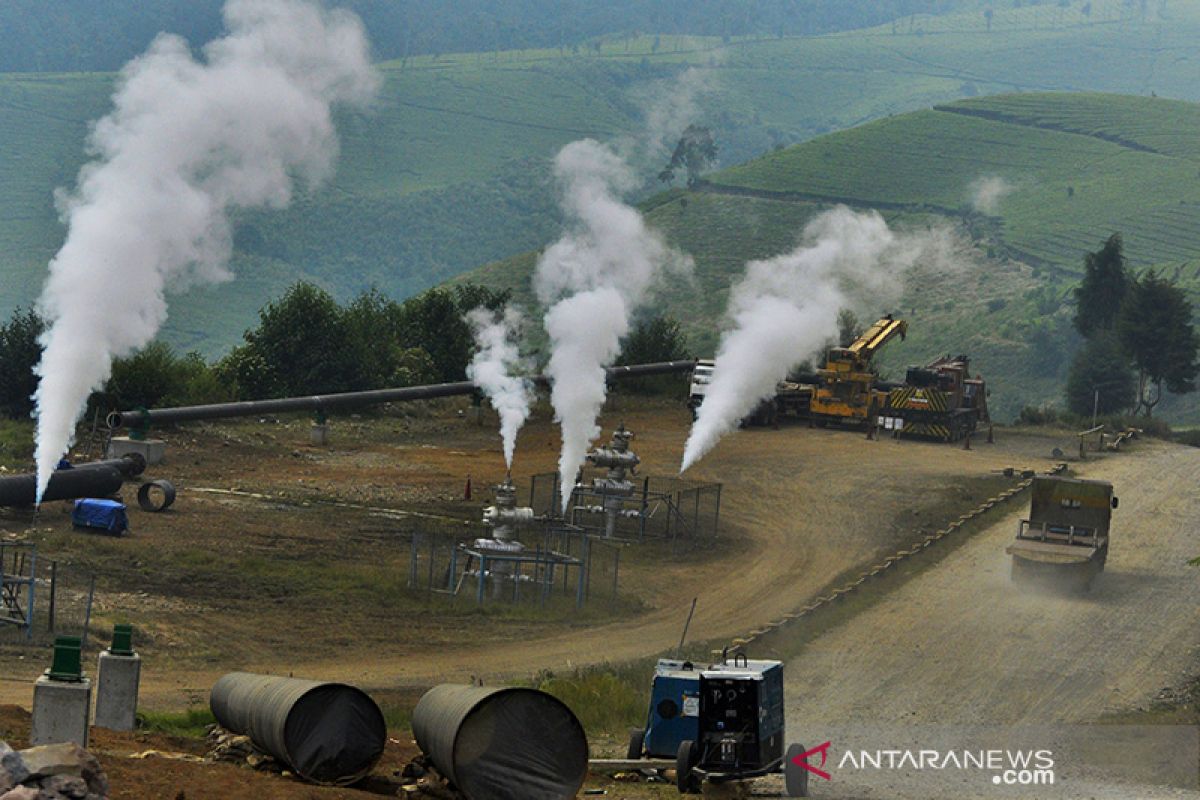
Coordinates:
[326,403]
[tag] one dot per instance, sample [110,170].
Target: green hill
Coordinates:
[1131,162]
[450,170]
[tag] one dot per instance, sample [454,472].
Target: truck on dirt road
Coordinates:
[1064,542]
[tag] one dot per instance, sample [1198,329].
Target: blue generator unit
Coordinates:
[674,711]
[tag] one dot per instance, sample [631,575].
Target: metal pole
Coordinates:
[33,592]
[717,513]
[616,571]
[87,616]
[453,572]
[686,625]
[1095,406]
[482,573]
[645,506]
[429,582]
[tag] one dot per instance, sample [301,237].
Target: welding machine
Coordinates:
[740,729]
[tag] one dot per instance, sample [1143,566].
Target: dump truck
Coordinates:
[1064,542]
[937,401]
[848,390]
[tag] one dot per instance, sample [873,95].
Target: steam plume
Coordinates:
[785,308]
[496,359]
[986,193]
[591,279]
[186,142]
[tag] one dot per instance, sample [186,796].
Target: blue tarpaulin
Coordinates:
[108,515]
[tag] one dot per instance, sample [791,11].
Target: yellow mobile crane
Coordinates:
[846,390]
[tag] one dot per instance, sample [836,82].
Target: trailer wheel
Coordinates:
[637,738]
[795,777]
[685,760]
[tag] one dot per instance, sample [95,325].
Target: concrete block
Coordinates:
[153,450]
[319,435]
[60,711]
[117,680]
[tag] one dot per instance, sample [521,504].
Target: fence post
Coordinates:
[87,616]
[479,589]
[616,570]
[583,562]
[429,583]
[645,505]
[717,513]
[452,573]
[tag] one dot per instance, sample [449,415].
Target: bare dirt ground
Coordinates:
[281,580]
[227,582]
[959,645]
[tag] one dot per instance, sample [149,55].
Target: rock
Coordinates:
[21,793]
[67,785]
[12,768]
[66,759]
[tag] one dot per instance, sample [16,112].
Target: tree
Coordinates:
[1100,366]
[156,376]
[695,152]
[20,351]
[382,360]
[655,339]
[434,321]
[303,343]
[1155,328]
[1105,281]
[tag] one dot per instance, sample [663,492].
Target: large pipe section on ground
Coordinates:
[328,733]
[502,743]
[326,403]
[129,465]
[65,484]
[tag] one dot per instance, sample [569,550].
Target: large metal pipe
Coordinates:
[325,403]
[328,733]
[502,743]
[95,480]
[129,465]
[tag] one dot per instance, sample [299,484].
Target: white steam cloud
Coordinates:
[785,308]
[497,359]
[987,192]
[186,142]
[591,280]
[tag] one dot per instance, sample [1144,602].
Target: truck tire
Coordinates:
[795,777]
[637,739]
[685,761]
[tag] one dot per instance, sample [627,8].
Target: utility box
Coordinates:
[674,708]
[741,716]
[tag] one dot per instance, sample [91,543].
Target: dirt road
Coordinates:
[959,645]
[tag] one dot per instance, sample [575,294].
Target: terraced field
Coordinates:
[450,170]
[1077,168]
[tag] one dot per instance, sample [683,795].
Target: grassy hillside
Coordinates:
[1133,165]
[451,169]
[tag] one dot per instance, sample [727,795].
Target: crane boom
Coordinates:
[877,336]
